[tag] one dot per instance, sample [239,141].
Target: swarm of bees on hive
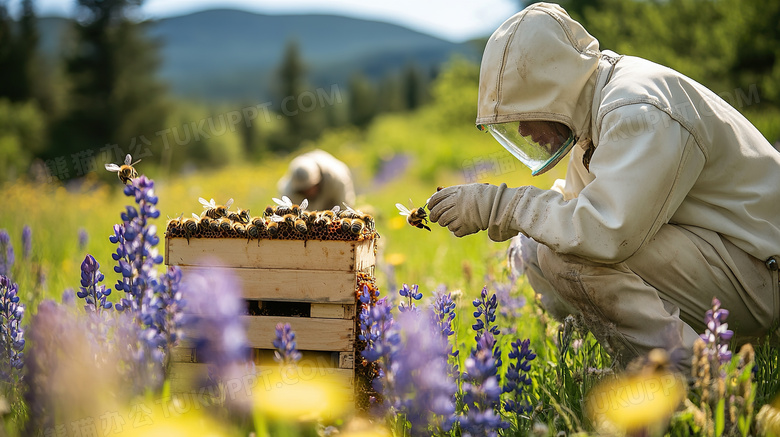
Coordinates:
[284,221]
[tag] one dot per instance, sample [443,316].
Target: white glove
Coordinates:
[466,209]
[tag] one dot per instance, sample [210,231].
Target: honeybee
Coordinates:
[346,224]
[355,214]
[239,229]
[253,231]
[269,211]
[417,217]
[173,223]
[284,207]
[357,226]
[299,209]
[273,225]
[240,216]
[214,211]
[125,172]
[204,222]
[225,225]
[190,225]
[259,223]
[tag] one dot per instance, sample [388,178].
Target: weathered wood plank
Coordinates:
[310,334]
[291,285]
[347,360]
[271,254]
[336,335]
[182,355]
[332,311]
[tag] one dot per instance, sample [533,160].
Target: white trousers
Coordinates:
[658,298]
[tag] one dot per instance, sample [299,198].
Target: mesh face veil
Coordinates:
[539,145]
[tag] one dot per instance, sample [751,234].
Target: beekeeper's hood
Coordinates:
[539,65]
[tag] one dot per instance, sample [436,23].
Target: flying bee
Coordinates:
[125,172]
[417,217]
[214,211]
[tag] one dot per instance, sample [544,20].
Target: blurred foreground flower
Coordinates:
[629,403]
[26,242]
[395,259]
[6,253]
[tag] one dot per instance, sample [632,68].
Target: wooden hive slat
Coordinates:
[337,335]
[349,256]
[321,286]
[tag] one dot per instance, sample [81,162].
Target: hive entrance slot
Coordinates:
[279,309]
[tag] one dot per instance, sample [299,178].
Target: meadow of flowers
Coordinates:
[455,338]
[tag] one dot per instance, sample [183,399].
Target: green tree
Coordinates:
[18,49]
[115,97]
[415,87]
[362,101]
[298,105]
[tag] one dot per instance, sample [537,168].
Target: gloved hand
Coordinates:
[466,209]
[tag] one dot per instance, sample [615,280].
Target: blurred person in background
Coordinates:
[319,177]
[671,196]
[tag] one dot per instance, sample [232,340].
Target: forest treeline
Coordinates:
[102,98]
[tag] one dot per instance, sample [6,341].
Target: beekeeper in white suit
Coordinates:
[319,177]
[671,196]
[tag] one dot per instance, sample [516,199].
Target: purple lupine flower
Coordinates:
[391,169]
[83,239]
[443,315]
[517,381]
[6,253]
[486,307]
[26,242]
[378,333]
[93,293]
[485,314]
[11,332]
[481,391]
[136,253]
[284,342]
[170,303]
[423,389]
[411,295]
[717,335]
[68,297]
[218,331]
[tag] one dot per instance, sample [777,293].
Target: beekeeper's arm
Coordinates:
[640,178]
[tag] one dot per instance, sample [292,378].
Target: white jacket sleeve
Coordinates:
[641,174]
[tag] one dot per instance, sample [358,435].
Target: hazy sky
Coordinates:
[456,20]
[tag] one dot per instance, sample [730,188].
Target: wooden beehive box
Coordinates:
[310,284]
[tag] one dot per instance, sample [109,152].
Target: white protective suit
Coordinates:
[318,168]
[671,197]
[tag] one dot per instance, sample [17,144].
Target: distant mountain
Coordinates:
[230,54]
